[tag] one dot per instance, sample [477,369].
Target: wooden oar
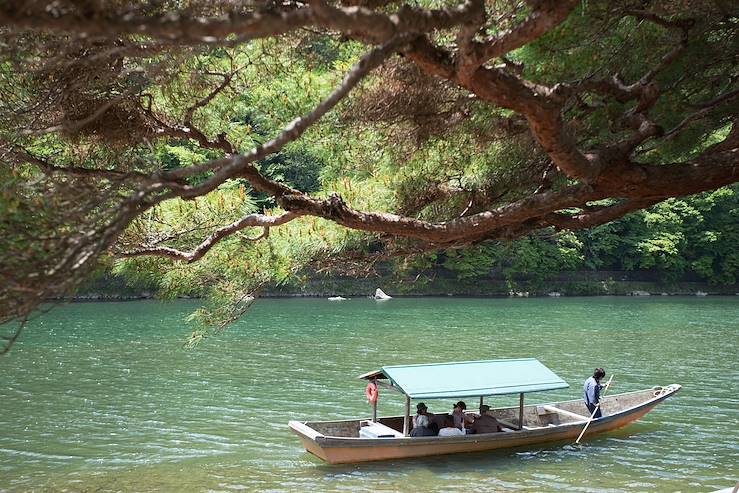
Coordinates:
[597,406]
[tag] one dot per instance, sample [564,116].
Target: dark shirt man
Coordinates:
[486,423]
[592,390]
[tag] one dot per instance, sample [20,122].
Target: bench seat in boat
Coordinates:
[373,429]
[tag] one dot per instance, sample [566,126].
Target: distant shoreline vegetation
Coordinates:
[440,283]
[681,246]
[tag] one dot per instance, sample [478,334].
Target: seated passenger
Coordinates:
[486,423]
[423,426]
[449,429]
[461,420]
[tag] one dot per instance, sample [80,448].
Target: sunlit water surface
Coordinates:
[102,397]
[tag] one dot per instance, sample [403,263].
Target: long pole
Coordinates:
[597,406]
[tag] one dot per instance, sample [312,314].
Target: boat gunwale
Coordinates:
[332,441]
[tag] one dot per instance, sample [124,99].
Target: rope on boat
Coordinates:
[659,391]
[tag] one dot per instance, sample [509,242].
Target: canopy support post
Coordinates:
[520,412]
[407,416]
[374,407]
[480,401]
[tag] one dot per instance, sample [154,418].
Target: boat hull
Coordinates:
[338,449]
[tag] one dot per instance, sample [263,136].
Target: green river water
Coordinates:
[101,397]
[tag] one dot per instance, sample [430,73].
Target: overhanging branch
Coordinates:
[240,165]
[179,27]
[252,220]
[588,219]
[545,16]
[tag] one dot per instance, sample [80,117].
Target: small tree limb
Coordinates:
[252,220]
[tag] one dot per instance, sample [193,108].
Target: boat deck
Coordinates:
[535,416]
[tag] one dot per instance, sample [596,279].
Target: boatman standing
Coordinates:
[592,389]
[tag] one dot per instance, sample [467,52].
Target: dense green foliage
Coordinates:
[402,142]
[427,161]
[694,235]
[345,153]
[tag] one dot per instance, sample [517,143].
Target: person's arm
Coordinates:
[597,393]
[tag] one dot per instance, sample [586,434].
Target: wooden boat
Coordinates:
[347,441]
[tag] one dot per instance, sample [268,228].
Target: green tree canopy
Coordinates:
[243,141]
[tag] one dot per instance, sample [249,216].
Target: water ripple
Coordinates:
[101,397]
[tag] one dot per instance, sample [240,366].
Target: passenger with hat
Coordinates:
[485,423]
[423,424]
[460,418]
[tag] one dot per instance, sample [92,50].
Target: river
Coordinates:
[103,397]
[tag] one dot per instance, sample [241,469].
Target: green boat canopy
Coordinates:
[470,378]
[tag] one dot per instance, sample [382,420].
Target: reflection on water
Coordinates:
[102,397]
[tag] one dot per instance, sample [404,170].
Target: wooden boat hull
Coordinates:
[343,449]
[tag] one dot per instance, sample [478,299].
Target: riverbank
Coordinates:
[440,283]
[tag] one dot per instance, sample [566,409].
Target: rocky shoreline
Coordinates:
[442,283]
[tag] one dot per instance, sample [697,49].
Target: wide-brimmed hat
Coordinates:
[420,406]
[484,408]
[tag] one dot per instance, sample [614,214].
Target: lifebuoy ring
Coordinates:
[371,392]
